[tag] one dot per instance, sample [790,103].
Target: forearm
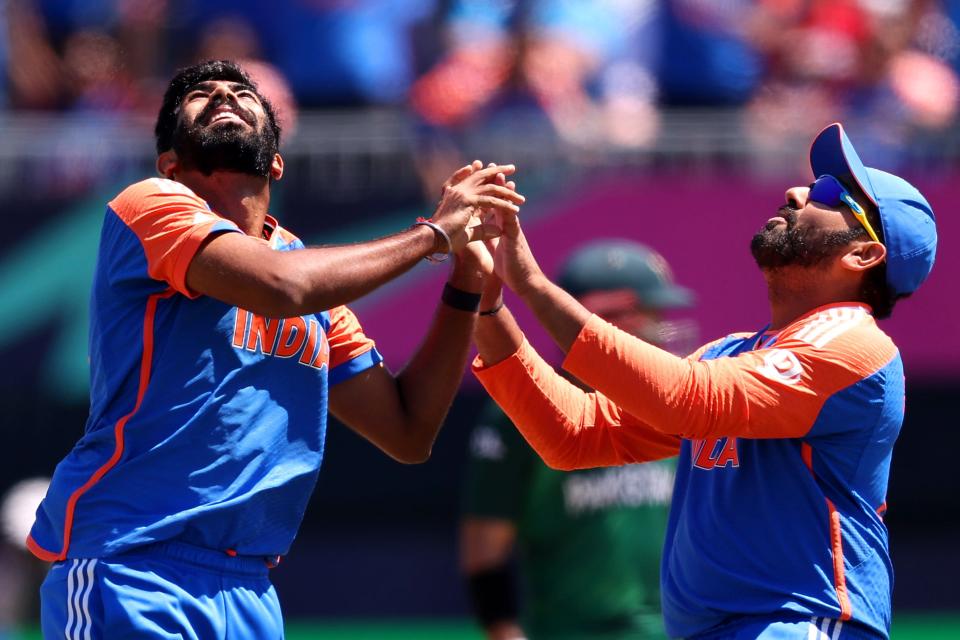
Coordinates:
[486,548]
[335,275]
[671,394]
[567,427]
[247,273]
[497,336]
[556,310]
[429,381]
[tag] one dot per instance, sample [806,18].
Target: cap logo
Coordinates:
[660,267]
[617,260]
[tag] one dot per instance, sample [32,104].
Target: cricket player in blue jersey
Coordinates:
[784,434]
[218,344]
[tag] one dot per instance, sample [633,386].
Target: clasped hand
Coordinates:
[495,242]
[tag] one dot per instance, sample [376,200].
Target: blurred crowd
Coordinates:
[595,72]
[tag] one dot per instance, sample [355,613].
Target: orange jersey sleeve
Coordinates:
[767,393]
[568,427]
[346,337]
[171,222]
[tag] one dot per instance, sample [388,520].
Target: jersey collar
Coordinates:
[764,338]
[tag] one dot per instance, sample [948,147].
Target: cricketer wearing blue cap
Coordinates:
[785,434]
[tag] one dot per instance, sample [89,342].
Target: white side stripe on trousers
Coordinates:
[820,629]
[71,612]
[79,586]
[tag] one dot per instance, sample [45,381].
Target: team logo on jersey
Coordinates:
[715,452]
[782,366]
[282,338]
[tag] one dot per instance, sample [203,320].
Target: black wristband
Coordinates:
[493,594]
[460,299]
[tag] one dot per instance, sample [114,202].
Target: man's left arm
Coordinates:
[402,414]
[776,392]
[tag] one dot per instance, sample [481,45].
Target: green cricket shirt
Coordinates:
[589,541]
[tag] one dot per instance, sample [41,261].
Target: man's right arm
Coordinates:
[243,271]
[486,550]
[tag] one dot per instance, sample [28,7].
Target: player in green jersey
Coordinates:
[606,523]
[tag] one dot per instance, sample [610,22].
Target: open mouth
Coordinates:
[225,115]
[784,215]
[221,114]
[780,217]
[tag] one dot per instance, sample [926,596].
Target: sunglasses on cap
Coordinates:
[829,191]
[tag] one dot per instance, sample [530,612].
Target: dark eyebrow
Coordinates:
[209,84]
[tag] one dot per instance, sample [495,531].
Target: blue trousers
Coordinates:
[813,628]
[164,590]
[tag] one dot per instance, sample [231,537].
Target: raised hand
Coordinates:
[513,262]
[476,252]
[467,194]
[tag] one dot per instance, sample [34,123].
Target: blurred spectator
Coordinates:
[708,59]
[33,68]
[924,76]
[4,44]
[63,17]
[229,38]
[347,52]
[143,33]
[99,55]
[68,56]
[97,79]
[585,66]
[333,52]
[232,37]
[882,65]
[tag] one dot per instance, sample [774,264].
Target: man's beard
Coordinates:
[225,147]
[775,247]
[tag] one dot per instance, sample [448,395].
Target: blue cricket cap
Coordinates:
[909,227]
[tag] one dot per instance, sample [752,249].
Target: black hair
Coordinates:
[187,78]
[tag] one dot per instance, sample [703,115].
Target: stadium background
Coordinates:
[678,123]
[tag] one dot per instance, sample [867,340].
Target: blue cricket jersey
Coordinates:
[789,525]
[207,422]
[785,441]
